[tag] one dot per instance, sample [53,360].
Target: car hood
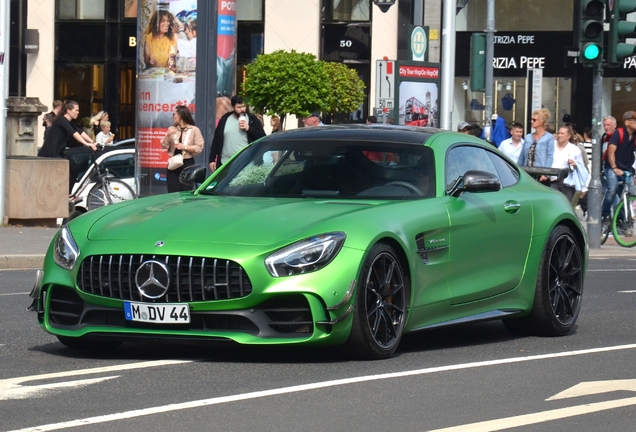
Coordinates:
[217,219]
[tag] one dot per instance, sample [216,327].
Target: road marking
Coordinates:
[595,387]
[14,294]
[540,417]
[627,292]
[11,388]
[22,392]
[312,386]
[610,270]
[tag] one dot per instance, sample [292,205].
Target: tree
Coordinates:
[285,82]
[346,92]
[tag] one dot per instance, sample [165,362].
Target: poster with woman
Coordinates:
[166,79]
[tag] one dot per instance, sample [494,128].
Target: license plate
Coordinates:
[157,313]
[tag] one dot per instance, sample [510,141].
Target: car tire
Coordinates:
[72,216]
[88,344]
[382,297]
[559,289]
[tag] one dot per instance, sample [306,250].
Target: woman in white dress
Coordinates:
[568,155]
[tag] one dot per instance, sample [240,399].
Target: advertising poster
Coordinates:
[166,77]
[226,47]
[418,95]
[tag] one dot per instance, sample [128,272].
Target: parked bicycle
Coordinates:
[103,189]
[622,223]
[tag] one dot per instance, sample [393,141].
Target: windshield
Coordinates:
[328,168]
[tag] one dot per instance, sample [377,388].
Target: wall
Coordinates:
[41,66]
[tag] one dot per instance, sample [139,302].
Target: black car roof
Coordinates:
[373,132]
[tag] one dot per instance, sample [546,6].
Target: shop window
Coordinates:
[347,10]
[83,83]
[249,10]
[538,15]
[81,9]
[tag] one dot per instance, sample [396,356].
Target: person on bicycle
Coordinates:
[620,159]
[58,136]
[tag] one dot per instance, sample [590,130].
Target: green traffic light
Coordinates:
[591,52]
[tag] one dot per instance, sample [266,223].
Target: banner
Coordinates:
[166,78]
[226,48]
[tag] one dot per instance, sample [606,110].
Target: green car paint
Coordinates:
[471,256]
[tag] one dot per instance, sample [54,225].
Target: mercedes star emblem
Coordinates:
[152,279]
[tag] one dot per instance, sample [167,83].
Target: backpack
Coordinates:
[621,135]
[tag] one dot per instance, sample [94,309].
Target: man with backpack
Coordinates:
[620,159]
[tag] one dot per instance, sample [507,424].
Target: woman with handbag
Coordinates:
[182,141]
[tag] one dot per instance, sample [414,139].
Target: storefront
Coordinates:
[95,60]
[514,54]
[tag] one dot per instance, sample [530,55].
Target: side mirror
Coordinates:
[192,174]
[476,181]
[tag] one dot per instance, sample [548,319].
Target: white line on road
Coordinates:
[12,388]
[610,270]
[14,294]
[540,417]
[311,386]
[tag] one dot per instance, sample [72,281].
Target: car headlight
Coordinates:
[305,256]
[65,251]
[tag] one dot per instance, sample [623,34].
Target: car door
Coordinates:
[490,231]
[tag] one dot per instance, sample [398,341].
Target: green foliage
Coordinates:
[286,83]
[346,92]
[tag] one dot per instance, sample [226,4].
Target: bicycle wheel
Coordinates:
[605,232]
[110,192]
[623,223]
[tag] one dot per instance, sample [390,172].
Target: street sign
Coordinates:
[385,84]
[419,43]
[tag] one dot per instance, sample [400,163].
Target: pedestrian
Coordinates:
[182,137]
[512,146]
[372,119]
[463,127]
[568,155]
[538,146]
[105,136]
[274,122]
[49,118]
[56,139]
[476,130]
[96,120]
[609,125]
[620,159]
[236,129]
[313,120]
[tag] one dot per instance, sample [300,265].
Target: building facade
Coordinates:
[87,51]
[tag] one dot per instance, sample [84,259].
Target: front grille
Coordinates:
[192,279]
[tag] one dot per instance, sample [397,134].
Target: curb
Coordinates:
[24,262]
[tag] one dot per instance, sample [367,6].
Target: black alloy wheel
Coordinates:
[381,305]
[559,288]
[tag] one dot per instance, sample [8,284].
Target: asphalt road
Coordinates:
[476,376]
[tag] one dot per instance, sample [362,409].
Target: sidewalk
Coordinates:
[24,247]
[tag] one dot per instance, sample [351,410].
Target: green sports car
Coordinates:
[351,235]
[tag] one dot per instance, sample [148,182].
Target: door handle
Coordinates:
[512,207]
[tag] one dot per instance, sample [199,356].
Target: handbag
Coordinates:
[175,161]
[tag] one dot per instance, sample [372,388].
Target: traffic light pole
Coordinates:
[490,53]
[594,194]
